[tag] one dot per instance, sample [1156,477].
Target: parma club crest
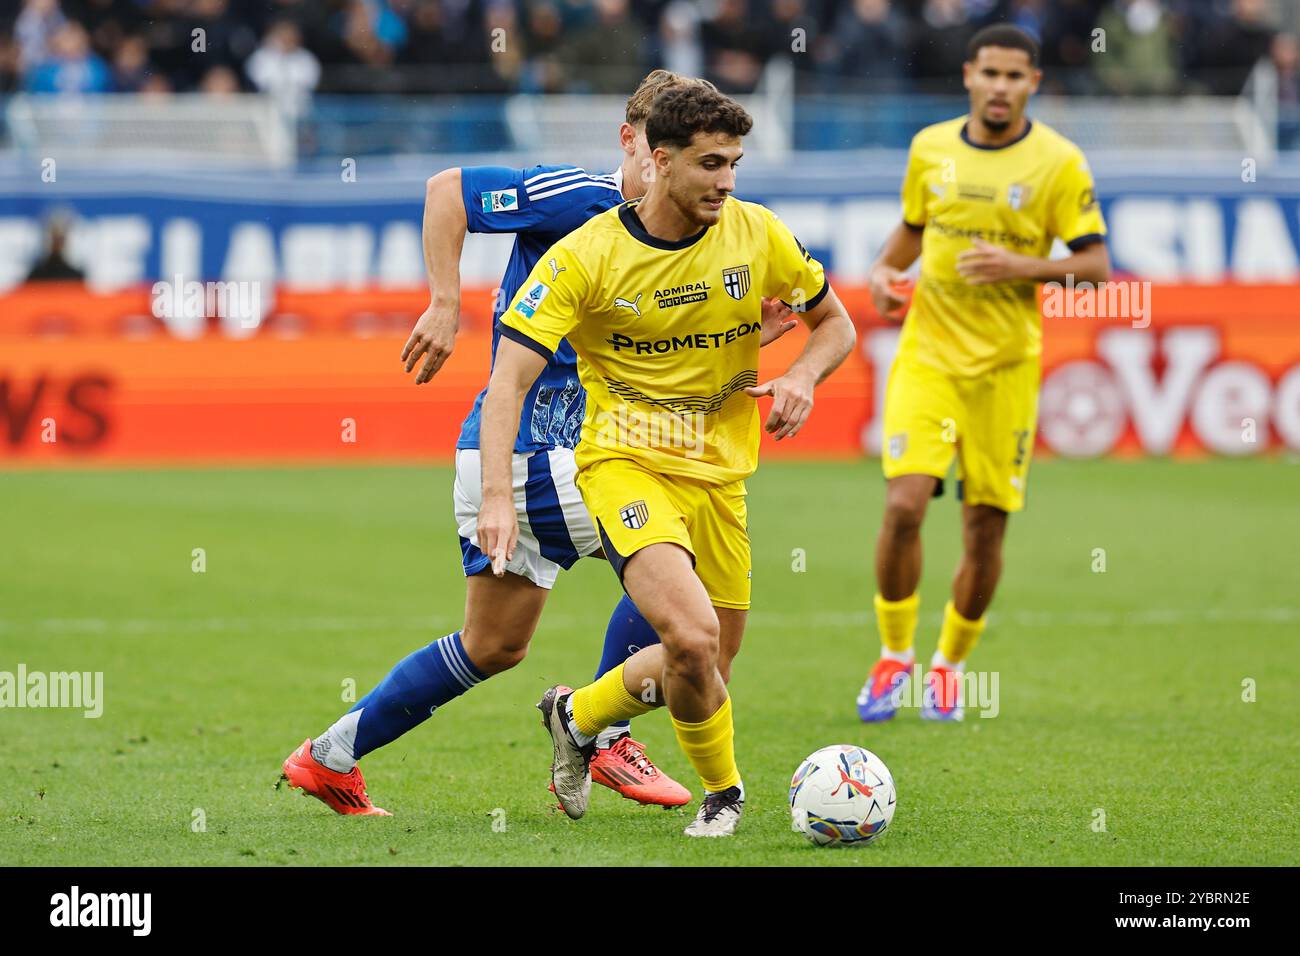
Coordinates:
[736,281]
[634,515]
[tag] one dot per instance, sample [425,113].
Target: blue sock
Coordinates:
[627,633]
[417,686]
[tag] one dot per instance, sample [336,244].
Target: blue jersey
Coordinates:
[540,206]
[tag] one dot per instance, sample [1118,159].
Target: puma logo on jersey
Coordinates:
[634,305]
[555,268]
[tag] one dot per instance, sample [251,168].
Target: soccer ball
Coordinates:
[842,796]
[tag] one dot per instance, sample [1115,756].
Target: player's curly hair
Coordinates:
[656,82]
[680,112]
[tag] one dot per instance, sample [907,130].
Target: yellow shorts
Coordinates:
[987,422]
[634,507]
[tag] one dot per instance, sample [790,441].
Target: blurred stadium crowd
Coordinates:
[295,48]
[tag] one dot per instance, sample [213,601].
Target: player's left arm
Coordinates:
[791,274]
[831,340]
[985,263]
[1073,216]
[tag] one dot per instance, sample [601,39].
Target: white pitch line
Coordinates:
[825,620]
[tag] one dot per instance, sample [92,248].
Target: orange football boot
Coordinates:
[343,793]
[624,768]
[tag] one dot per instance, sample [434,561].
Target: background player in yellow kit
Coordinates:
[660,299]
[984,197]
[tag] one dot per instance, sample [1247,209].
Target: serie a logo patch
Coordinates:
[500,200]
[634,515]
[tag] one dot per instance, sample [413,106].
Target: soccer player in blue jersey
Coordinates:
[539,205]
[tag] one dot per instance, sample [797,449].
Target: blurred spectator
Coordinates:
[1029,15]
[281,67]
[793,27]
[71,66]
[1141,52]
[53,266]
[501,46]
[1286,60]
[10,64]
[1232,48]
[867,43]
[735,47]
[131,65]
[938,47]
[505,51]
[219,81]
[371,31]
[605,55]
[544,29]
[1067,47]
[679,39]
[34,28]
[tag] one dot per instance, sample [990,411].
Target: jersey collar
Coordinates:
[965,137]
[632,222]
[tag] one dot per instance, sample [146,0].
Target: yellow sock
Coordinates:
[605,701]
[959,635]
[897,621]
[709,745]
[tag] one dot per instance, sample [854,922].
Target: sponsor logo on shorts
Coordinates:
[634,515]
[897,445]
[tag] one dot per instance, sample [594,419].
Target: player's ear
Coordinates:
[1034,80]
[966,69]
[663,159]
[627,138]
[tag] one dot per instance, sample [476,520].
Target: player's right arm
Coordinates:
[546,308]
[547,200]
[445,224]
[888,277]
[888,274]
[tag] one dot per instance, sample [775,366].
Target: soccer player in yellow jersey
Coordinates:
[660,298]
[984,198]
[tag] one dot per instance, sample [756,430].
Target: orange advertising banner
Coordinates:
[88,378]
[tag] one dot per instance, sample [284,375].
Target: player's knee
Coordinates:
[692,650]
[503,658]
[492,656]
[983,534]
[903,515]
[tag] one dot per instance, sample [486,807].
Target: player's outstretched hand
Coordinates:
[498,532]
[778,319]
[435,335]
[889,289]
[792,402]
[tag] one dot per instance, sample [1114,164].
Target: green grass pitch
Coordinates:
[1121,693]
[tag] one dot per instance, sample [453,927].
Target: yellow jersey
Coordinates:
[1020,196]
[667,333]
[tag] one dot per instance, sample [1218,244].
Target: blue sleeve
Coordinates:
[546,199]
